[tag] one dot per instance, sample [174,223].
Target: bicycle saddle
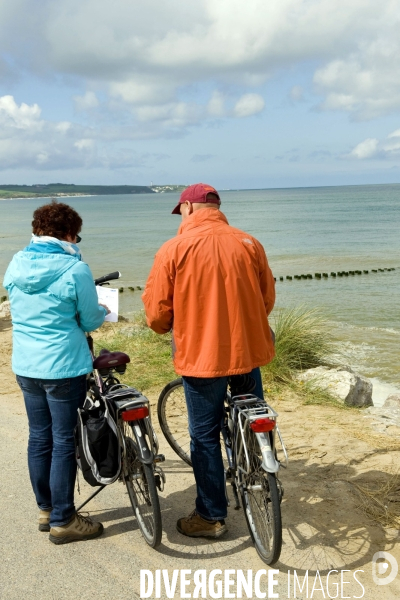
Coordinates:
[107,359]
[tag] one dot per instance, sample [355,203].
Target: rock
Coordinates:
[392,401]
[383,416]
[5,312]
[343,383]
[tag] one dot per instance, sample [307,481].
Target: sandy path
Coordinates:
[323,528]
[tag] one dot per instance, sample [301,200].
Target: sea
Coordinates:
[303,230]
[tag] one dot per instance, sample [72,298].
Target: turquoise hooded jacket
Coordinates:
[53,302]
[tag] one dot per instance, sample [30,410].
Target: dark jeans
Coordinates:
[205,401]
[51,405]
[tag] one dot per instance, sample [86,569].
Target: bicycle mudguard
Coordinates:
[144,454]
[269,462]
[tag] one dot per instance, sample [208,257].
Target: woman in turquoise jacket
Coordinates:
[53,302]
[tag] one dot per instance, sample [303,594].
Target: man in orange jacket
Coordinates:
[213,285]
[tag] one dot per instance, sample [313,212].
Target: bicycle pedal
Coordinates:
[159,478]
[159,458]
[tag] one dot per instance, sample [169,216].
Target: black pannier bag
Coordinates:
[97,447]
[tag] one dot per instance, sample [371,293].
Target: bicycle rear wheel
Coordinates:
[261,503]
[141,486]
[173,419]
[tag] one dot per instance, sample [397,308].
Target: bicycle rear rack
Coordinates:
[249,408]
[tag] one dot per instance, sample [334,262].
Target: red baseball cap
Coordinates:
[196,193]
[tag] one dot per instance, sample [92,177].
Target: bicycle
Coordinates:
[138,444]
[248,433]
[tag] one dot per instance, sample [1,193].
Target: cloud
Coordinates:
[86,102]
[29,141]
[174,114]
[366,149]
[143,91]
[23,117]
[366,83]
[160,54]
[296,93]
[216,105]
[26,140]
[373,148]
[248,105]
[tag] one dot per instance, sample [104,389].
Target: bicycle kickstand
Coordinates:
[91,497]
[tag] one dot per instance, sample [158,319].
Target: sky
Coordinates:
[238,94]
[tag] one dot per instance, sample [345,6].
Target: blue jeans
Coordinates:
[205,403]
[51,405]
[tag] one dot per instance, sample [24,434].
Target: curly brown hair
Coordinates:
[56,220]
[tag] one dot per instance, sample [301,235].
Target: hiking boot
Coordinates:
[195,526]
[79,528]
[44,519]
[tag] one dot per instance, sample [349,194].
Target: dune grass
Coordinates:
[303,340]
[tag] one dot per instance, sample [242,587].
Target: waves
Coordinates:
[390,330]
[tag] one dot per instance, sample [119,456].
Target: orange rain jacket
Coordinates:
[213,285]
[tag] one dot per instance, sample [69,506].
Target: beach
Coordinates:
[324,527]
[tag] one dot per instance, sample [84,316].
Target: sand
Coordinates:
[324,528]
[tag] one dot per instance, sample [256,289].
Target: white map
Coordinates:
[109,297]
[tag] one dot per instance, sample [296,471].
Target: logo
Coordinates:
[381,573]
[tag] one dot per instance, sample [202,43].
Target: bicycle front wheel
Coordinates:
[141,486]
[173,419]
[261,503]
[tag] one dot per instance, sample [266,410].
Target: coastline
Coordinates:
[46,196]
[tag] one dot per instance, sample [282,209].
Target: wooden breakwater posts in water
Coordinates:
[131,288]
[333,274]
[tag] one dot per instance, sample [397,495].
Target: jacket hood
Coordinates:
[32,272]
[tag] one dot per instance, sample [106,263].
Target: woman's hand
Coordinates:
[106,307]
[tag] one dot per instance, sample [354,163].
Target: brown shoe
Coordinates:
[79,528]
[195,526]
[44,519]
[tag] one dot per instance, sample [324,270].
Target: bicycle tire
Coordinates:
[142,490]
[173,419]
[261,506]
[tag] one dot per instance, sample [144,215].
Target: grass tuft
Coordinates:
[382,502]
[303,340]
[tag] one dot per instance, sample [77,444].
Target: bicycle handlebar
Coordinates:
[109,277]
